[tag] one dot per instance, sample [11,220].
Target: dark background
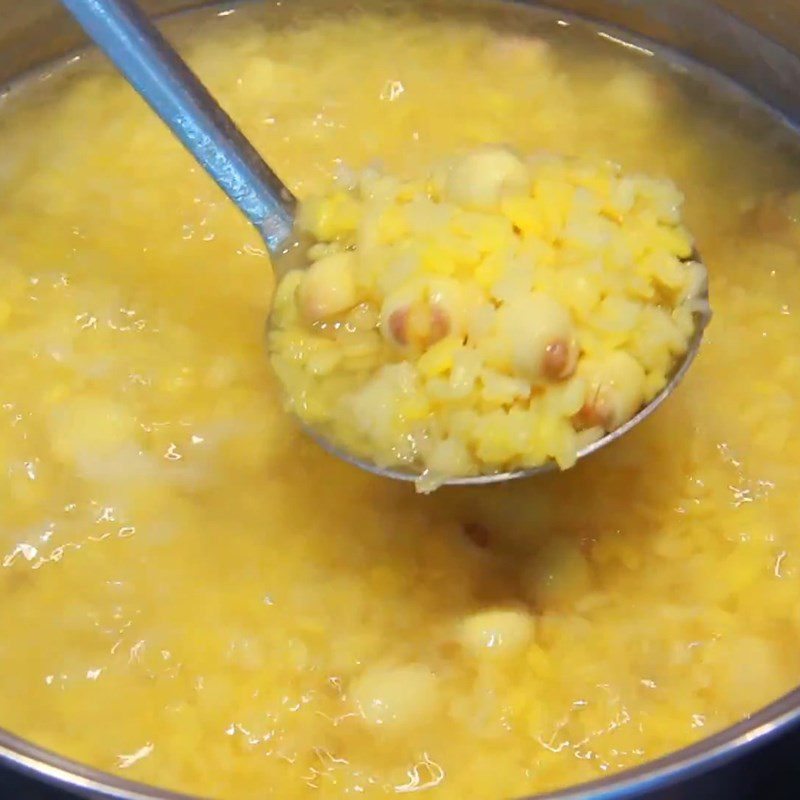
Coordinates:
[770,773]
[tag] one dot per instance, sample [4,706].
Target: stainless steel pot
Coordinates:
[756,44]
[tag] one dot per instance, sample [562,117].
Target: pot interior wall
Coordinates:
[38,31]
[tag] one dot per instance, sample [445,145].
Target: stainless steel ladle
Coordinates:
[150,64]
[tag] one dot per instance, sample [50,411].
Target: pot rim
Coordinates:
[679,765]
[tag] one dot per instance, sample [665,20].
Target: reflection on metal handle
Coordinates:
[126,35]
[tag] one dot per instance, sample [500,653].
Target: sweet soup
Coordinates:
[195,595]
[497,312]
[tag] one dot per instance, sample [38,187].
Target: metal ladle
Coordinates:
[150,64]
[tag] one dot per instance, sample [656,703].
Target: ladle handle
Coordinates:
[150,64]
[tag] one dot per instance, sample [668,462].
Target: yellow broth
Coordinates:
[196,596]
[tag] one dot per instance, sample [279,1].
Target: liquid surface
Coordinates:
[195,595]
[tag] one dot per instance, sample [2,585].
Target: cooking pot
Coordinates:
[756,44]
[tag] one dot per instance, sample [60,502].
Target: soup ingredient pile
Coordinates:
[493,315]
